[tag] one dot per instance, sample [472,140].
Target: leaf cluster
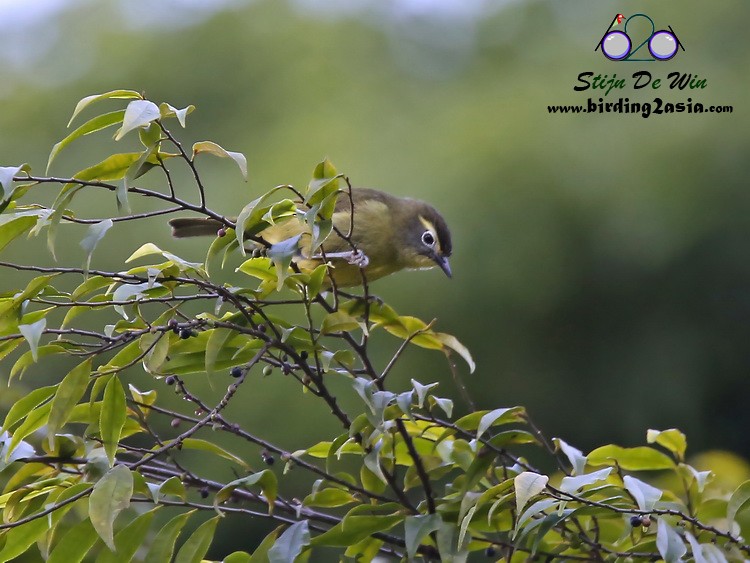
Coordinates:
[87,464]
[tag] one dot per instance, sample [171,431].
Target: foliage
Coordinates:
[86,467]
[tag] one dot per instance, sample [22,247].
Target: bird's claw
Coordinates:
[358,258]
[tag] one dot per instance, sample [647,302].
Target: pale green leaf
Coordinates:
[212,148]
[417,528]
[95,233]
[575,456]
[110,496]
[139,113]
[669,543]
[527,485]
[573,484]
[740,500]
[33,333]
[672,439]
[289,544]
[644,494]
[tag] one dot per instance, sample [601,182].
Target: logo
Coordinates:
[617,45]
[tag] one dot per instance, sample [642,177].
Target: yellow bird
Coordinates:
[390,233]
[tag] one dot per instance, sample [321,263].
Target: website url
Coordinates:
[644,109]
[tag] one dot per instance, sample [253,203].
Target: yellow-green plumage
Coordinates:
[393,232]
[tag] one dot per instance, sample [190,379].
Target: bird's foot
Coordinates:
[358,258]
[354,257]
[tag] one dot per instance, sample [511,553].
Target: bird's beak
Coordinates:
[442,261]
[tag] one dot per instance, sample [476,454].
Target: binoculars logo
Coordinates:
[617,45]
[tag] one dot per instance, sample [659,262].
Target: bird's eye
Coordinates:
[428,238]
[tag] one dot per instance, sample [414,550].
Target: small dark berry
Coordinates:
[204,492]
[172,323]
[636,521]
[646,521]
[268,459]
[186,333]
[262,327]
[285,369]
[170,380]
[236,372]
[175,422]
[490,551]
[304,355]
[176,330]
[221,232]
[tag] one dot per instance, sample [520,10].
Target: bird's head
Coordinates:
[425,238]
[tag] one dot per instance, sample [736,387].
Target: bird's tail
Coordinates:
[194,227]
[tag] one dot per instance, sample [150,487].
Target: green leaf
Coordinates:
[139,113]
[114,167]
[33,422]
[528,484]
[112,417]
[114,94]
[195,548]
[281,254]
[206,446]
[507,416]
[110,496]
[329,498]
[33,333]
[162,547]
[260,555]
[356,528]
[129,540]
[216,150]
[75,543]
[642,458]
[69,393]
[18,540]
[266,480]
[91,126]
[289,544]
[740,500]
[672,439]
[237,557]
[11,230]
[451,342]
[644,494]
[324,183]
[338,321]
[95,233]
[669,543]
[497,416]
[23,406]
[417,528]
[216,343]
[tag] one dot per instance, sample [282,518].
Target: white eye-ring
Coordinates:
[428,238]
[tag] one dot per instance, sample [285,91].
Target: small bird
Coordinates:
[390,233]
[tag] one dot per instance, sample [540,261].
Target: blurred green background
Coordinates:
[601,261]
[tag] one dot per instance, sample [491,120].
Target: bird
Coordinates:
[391,233]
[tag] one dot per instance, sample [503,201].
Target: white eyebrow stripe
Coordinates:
[430,227]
